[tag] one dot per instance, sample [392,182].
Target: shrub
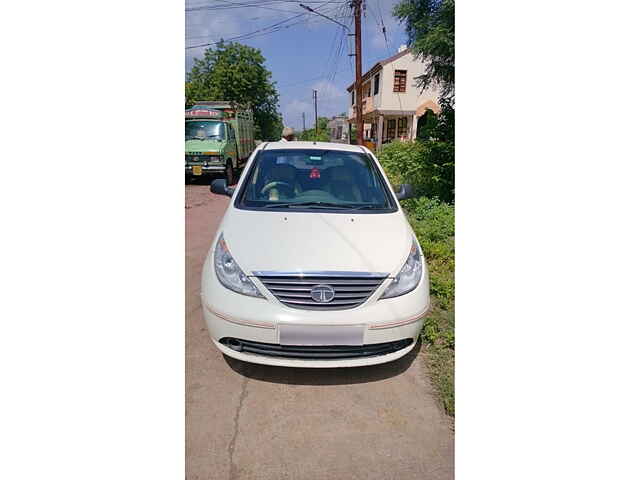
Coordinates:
[404,162]
[427,165]
[434,224]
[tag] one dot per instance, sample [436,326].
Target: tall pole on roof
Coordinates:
[304,127]
[315,106]
[357,11]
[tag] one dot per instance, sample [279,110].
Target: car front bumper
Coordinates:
[229,315]
[313,363]
[188,169]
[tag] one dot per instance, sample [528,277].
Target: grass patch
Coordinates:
[434,225]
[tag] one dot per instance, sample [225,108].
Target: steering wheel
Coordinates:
[289,191]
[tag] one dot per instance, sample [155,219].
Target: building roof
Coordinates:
[379,65]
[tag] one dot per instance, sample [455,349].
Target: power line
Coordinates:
[233,5]
[307,80]
[227,5]
[248,36]
[332,56]
[262,31]
[322,15]
[280,23]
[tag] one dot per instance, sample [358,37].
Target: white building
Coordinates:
[338,129]
[391,100]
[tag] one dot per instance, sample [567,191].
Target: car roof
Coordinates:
[345,147]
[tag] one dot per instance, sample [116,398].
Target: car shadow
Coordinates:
[203,179]
[206,179]
[324,376]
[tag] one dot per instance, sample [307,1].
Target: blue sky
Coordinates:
[301,57]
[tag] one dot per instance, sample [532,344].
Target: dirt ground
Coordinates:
[246,421]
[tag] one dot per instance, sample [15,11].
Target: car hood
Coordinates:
[304,241]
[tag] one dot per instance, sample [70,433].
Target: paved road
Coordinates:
[246,421]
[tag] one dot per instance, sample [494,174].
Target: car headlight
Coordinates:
[409,275]
[229,273]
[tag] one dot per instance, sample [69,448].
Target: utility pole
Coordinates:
[315,106]
[303,124]
[357,10]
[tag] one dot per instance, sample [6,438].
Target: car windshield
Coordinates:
[315,179]
[204,129]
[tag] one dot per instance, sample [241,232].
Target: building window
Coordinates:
[402,127]
[353,97]
[391,129]
[376,84]
[400,81]
[339,136]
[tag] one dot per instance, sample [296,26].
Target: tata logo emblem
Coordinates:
[323,293]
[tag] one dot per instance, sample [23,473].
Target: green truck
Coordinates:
[218,139]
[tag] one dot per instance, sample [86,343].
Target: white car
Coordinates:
[314,263]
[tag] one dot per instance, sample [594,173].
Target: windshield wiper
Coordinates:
[366,207]
[308,204]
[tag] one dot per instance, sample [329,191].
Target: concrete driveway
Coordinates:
[246,421]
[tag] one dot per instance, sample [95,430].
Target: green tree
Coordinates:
[430,26]
[237,73]
[323,134]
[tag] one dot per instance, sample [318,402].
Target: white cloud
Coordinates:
[292,113]
[332,100]
[327,90]
[377,41]
[208,26]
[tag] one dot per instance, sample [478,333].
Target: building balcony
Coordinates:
[367,105]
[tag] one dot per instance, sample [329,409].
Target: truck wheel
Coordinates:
[229,173]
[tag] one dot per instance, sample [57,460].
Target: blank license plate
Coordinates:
[197,169]
[321,335]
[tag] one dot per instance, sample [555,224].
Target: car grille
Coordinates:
[331,352]
[294,290]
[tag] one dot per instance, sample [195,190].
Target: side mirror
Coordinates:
[404,191]
[219,186]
